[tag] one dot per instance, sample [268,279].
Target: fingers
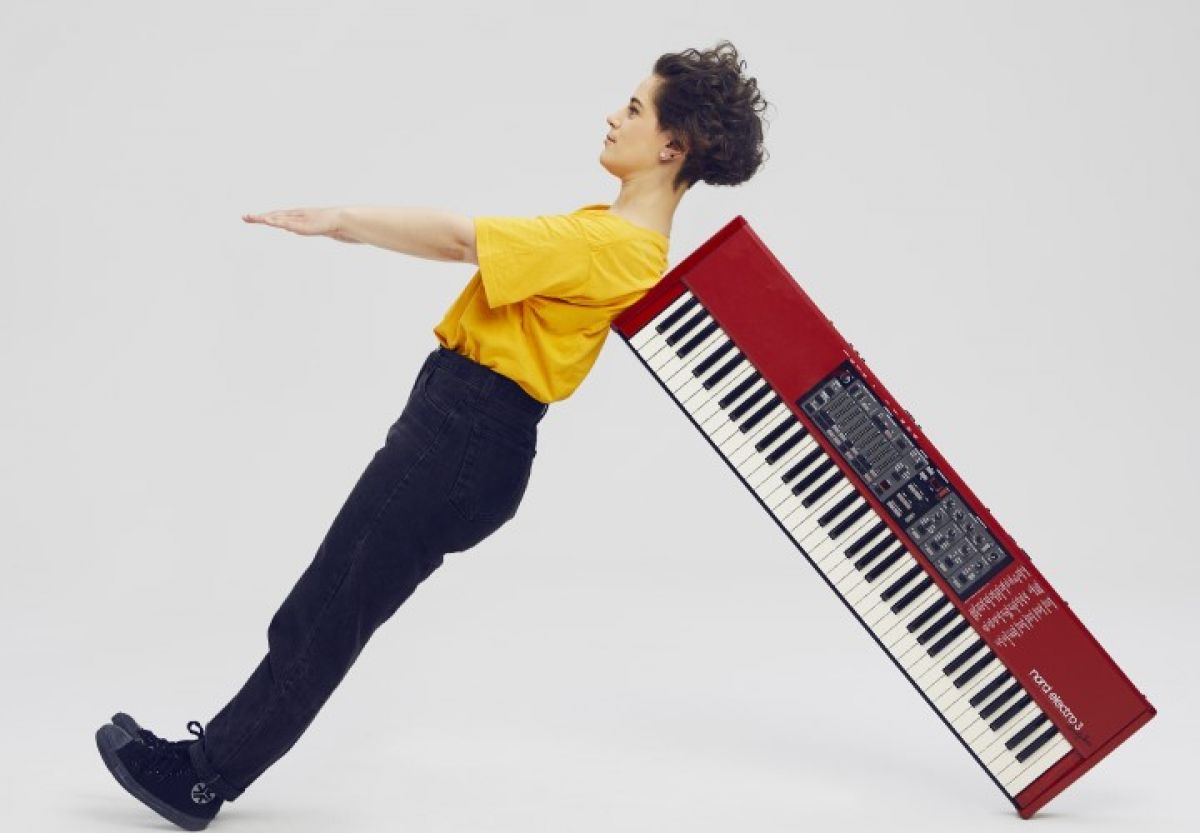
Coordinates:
[303,221]
[276,217]
[271,219]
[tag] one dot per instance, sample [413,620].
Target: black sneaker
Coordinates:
[124,721]
[159,773]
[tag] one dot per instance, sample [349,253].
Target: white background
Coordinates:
[997,203]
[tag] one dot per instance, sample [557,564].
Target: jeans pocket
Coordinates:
[493,476]
[431,396]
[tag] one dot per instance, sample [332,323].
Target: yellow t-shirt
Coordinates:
[539,307]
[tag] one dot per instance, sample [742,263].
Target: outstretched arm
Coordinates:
[430,233]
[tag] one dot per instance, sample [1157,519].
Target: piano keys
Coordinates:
[859,490]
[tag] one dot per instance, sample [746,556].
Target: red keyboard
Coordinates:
[854,483]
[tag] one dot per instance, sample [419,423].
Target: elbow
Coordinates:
[465,236]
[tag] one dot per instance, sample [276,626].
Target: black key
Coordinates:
[759,415]
[812,477]
[948,638]
[961,659]
[977,666]
[1030,727]
[749,402]
[1009,713]
[883,566]
[739,389]
[687,326]
[1036,744]
[775,433]
[723,371]
[898,585]
[929,632]
[864,539]
[891,537]
[850,520]
[819,492]
[986,691]
[696,340]
[1000,699]
[908,598]
[709,360]
[809,458]
[928,613]
[670,321]
[838,508]
[876,549]
[786,446]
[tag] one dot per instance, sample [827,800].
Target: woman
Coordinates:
[523,333]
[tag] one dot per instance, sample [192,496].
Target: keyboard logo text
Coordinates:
[1053,696]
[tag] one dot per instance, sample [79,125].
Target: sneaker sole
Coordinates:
[109,739]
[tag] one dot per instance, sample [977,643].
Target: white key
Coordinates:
[649,331]
[1046,757]
[765,479]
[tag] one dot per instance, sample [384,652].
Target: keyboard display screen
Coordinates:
[888,461]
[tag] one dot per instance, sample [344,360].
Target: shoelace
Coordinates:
[170,757]
[153,741]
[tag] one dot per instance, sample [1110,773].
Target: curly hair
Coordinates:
[708,107]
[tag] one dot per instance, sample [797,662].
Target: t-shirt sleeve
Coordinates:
[519,257]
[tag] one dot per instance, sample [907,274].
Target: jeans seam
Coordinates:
[469,456]
[423,385]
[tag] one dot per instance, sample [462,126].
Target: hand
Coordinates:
[306,221]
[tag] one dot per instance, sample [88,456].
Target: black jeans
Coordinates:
[453,469]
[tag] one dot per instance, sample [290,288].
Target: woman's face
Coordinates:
[634,127]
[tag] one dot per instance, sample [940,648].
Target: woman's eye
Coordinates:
[631,111]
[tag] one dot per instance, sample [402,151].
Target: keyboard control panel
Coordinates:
[889,462]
